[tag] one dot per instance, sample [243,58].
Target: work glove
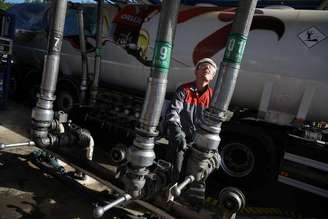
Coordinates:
[180,142]
[177,137]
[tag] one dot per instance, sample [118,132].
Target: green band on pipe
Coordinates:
[98,51]
[235,48]
[162,56]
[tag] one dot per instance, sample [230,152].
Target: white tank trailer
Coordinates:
[283,80]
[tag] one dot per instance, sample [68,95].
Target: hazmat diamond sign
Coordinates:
[312,36]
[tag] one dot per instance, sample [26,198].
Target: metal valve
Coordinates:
[232,201]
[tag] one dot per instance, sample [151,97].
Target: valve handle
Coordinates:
[29,143]
[99,211]
[176,189]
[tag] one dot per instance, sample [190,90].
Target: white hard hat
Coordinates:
[206,60]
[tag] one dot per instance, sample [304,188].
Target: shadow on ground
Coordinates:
[27,193]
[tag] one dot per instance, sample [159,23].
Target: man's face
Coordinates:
[205,72]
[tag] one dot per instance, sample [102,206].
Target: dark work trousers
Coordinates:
[178,158]
[194,193]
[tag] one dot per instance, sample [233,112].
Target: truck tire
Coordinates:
[247,160]
[67,93]
[31,87]
[32,93]
[65,100]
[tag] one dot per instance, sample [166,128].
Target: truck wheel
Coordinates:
[237,159]
[31,87]
[65,100]
[245,162]
[32,93]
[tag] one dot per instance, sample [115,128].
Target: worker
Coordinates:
[185,112]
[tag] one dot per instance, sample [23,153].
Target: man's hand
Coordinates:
[180,142]
[177,137]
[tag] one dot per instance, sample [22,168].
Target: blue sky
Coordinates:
[305,4]
[21,1]
[13,1]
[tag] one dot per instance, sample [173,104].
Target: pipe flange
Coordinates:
[146,133]
[232,199]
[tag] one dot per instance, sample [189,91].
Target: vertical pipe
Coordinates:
[42,113]
[207,138]
[84,58]
[97,63]
[233,55]
[141,154]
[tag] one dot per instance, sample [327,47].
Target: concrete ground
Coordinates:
[25,191]
[28,193]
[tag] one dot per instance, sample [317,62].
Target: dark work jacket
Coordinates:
[187,107]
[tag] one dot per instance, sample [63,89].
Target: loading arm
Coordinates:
[204,158]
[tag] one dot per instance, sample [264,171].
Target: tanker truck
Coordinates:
[277,131]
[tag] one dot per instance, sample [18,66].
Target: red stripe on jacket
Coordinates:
[193,98]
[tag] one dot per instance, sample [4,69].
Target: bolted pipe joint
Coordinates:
[214,116]
[134,181]
[202,164]
[140,156]
[42,121]
[43,142]
[141,153]
[207,137]
[42,116]
[77,138]
[206,141]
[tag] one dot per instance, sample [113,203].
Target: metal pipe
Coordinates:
[42,113]
[101,174]
[230,66]
[141,154]
[97,61]
[157,81]
[207,138]
[4,146]
[84,58]
[99,211]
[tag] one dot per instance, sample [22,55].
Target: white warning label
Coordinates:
[311,37]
